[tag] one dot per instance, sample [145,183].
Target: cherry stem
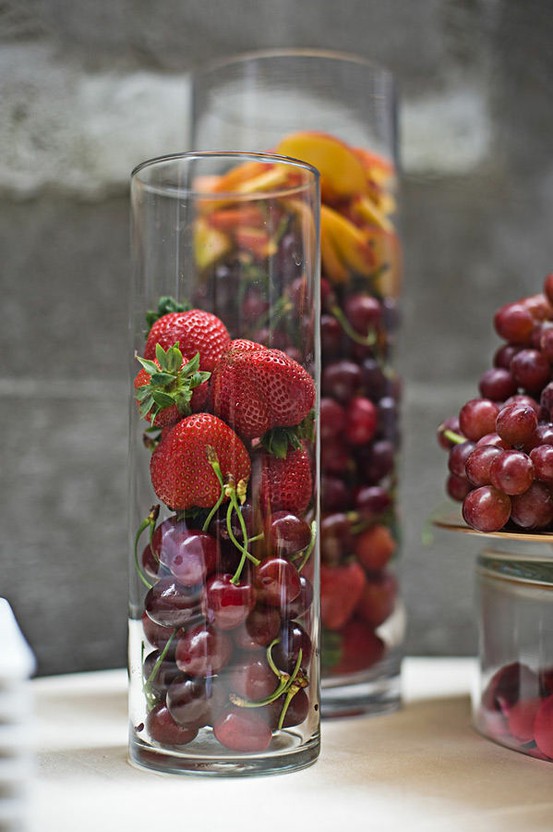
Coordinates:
[214,462]
[246,554]
[229,490]
[366,340]
[454,437]
[148,522]
[287,681]
[158,663]
[310,546]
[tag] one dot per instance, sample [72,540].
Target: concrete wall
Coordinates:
[87,90]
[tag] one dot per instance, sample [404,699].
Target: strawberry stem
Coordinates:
[148,522]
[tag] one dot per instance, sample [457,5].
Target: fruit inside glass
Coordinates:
[513,705]
[337,112]
[224,525]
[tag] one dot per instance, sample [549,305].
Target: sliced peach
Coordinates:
[347,244]
[210,244]
[228,219]
[379,168]
[366,210]
[387,258]
[230,181]
[255,240]
[342,173]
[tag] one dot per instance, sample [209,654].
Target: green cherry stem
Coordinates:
[366,340]
[158,664]
[454,437]
[310,546]
[148,522]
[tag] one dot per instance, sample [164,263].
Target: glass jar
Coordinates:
[223,616]
[338,112]
[513,704]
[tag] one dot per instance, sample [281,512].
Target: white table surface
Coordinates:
[421,768]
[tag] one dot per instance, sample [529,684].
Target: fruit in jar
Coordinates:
[181,473]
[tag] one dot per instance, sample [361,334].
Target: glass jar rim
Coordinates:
[322,54]
[267,158]
[531,570]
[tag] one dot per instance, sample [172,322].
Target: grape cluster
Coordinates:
[230,656]
[500,445]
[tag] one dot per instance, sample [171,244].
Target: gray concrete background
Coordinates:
[87,90]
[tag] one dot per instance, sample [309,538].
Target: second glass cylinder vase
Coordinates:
[224,582]
[338,112]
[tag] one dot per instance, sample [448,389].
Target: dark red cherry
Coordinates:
[243,729]
[260,628]
[173,604]
[287,533]
[228,605]
[189,554]
[188,700]
[163,729]
[278,582]
[203,651]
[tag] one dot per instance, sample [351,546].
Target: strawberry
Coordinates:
[192,331]
[377,600]
[285,484]
[356,647]
[341,589]
[255,388]
[169,387]
[182,475]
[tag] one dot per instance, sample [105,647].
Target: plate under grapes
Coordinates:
[448,516]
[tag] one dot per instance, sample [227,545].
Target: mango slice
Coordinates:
[342,172]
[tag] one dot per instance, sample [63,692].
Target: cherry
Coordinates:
[287,533]
[335,494]
[506,684]
[361,421]
[341,380]
[377,461]
[373,378]
[278,582]
[219,528]
[251,679]
[335,456]
[363,312]
[260,628]
[172,604]
[163,729]
[165,674]
[188,700]
[302,603]
[189,554]
[296,712]
[543,727]
[228,604]
[336,537]
[372,501]
[331,336]
[243,730]
[203,651]
[156,634]
[332,419]
[293,637]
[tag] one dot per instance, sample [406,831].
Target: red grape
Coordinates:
[486,509]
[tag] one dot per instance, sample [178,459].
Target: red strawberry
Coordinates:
[169,387]
[255,388]
[194,331]
[285,484]
[377,600]
[360,648]
[182,476]
[341,589]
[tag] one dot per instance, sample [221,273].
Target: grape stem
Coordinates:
[454,437]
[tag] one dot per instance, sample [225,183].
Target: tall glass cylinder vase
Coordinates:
[224,581]
[338,112]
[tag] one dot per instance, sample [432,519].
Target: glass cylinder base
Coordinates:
[372,692]
[290,755]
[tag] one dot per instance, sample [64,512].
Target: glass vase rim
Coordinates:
[264,157]
[234,59]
